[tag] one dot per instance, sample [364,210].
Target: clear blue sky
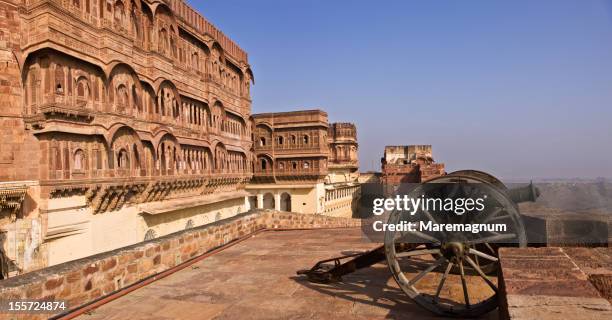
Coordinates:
[522,89]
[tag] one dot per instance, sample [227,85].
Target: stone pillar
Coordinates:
[247,204]
[277,198]
[260,201]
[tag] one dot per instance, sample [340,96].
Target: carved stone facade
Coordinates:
[304,164]
[112,112]
[290,161]
[127,120]
[342,188]
[409,164]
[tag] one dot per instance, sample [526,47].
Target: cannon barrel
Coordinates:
[527,193]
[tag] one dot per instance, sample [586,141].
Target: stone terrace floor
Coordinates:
[256,279]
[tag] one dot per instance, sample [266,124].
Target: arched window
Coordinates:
[195,61]
[122,98]
[81,89]
[306,138]
[281,166]
[293,139]
[175,109]
[294,165]
[306,165]
[79,159]
[136,157]
[262,141]
[173,44]
[281,140]
[59,79]
[264,164]
[163,40]
[119,14]
[285,204]
[136,98]
[134,21]
[122,159]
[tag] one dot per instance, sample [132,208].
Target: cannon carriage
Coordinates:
[438,269]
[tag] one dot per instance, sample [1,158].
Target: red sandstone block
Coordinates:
[54,283]
[131,278]
[90,269]
[166,245]
[34,291]
[168,260]
[149,252]
[566,288]
[88,285]
[96,293]
[65,293]
[78,300]
[109,264]
[137,255]
[145,265]
[125,258]
[603,283]
[132,268]
[108,288]
[73,277]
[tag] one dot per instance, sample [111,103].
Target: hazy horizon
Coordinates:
[520,89]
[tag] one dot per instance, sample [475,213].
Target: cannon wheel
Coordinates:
[455,260]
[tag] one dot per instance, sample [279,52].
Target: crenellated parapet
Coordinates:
[409,164]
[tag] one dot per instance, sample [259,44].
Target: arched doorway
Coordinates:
[268,201]
[252,202]
[285,202]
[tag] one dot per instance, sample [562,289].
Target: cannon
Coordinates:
[437,269]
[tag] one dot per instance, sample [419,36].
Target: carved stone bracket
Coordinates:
[106,197]
[11,199]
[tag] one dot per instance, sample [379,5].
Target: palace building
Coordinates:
[121,121]
[127,120]
[304,164]
[342,188]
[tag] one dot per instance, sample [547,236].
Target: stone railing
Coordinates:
[85,280]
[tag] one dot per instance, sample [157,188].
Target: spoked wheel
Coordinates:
[454,274]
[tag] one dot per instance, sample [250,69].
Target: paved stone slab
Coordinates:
[546,283]
[256,279]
